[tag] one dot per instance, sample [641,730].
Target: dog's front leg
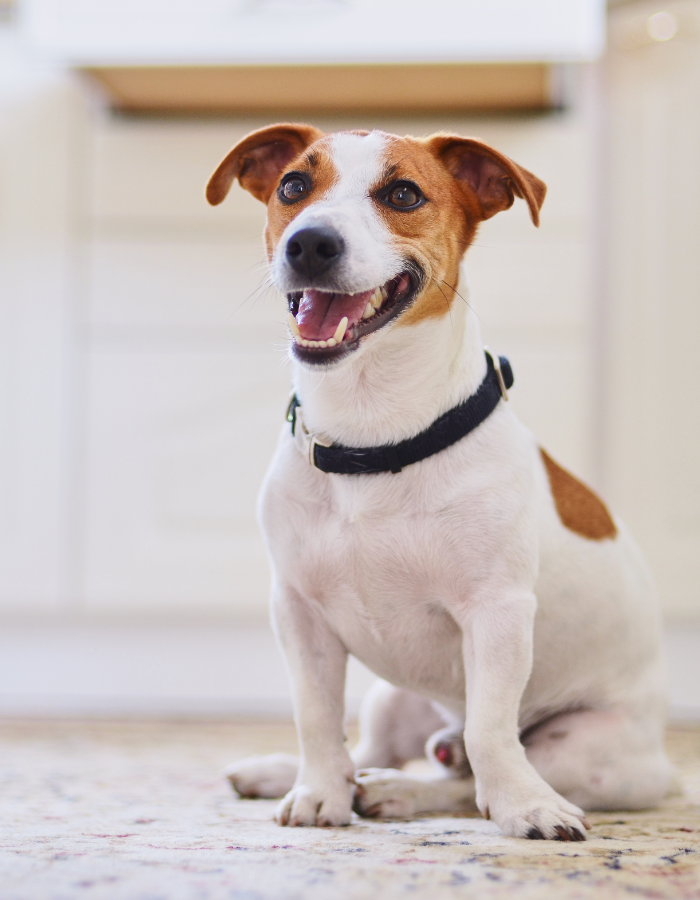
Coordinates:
[498,639]
[317,661]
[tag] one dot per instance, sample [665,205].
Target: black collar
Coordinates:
[451,427]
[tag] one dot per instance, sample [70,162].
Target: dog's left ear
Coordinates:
[258,160]
[489,176]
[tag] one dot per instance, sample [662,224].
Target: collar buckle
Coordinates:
[495,359]
[306,440]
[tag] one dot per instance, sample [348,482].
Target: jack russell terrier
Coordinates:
[414,522]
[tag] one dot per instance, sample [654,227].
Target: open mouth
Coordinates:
[325,325]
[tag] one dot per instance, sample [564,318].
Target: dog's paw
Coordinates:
[384,794]
[323,807]
[265,777]
[543,816]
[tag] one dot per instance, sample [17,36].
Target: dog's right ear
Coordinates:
[258,159]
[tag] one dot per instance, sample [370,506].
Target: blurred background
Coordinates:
[143,378]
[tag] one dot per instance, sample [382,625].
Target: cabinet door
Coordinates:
[38,110]
[178,442]
[653,415]
[186,392]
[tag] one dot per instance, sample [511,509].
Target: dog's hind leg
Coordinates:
[602,759]
[597,759]
[389,793]
[394,726]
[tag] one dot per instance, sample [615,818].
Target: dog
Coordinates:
[414,522]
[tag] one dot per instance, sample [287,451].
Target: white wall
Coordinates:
[143,378]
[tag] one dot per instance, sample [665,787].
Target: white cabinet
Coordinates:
[316,31]
[41,117]
[157,346]
[654,323]
[186,392]
[178,442]
[143,368]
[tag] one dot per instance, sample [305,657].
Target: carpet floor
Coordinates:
[139,811]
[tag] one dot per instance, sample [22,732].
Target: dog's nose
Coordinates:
[311,251]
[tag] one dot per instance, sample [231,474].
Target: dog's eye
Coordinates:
[404,195]
[294,187]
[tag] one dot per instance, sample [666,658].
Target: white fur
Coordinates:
[454,580]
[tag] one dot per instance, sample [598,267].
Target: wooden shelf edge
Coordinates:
[448,87]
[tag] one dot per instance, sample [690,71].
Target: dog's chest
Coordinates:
[385,585]
[385,559]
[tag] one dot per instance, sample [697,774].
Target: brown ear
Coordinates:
[491,176]
[258,159]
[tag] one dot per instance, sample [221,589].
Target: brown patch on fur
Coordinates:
[579,509]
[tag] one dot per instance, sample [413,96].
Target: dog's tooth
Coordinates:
[323,344]
[331,342]
[305,343]
[369,311]
[293,327]
[376,298]
[385,293]
[341,329]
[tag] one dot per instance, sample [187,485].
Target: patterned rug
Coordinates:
[139,811]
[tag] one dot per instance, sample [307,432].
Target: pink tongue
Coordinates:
[320,312]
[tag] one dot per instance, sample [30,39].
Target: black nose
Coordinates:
[312,251]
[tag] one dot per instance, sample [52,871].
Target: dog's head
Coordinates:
[365,229]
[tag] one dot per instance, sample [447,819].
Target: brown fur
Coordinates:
[579,509]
